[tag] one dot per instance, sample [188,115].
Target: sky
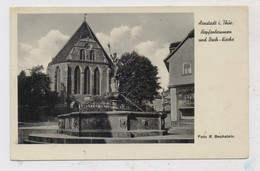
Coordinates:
[41,36]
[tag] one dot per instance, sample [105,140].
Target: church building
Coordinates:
[82,67]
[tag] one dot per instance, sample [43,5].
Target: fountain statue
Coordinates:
[114,82]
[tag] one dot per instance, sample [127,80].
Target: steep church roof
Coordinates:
[84,31]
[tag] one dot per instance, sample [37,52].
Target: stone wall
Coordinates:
[112,124]
[63,74]
[102,67]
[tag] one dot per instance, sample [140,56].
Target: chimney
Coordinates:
[173,46]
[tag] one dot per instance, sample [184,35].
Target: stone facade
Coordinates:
[82,67]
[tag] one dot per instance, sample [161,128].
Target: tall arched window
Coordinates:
[57,79]
[77,81]
[69,81]
[82,54]
[92,55]
[96,82]
[87,81]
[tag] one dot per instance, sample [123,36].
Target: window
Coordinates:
[92,55]
[57,79]
[96,82]
[187,68]
[87,81]
[77,81]
[69,80]
[82,54]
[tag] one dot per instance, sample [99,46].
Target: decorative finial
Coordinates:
[85,16]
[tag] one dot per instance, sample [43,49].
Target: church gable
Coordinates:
[87,50]
[82,45]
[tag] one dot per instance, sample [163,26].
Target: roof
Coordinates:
[83,32]
[190,35]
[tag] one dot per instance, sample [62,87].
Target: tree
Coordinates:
[34,89]
[23,89]
[137,78]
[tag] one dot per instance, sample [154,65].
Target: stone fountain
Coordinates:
[111,119]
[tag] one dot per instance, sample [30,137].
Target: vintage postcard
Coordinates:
[129,83]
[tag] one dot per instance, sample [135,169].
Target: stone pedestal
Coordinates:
[112,124]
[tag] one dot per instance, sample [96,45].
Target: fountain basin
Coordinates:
[112,124]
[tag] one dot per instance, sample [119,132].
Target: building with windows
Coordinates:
[82,67]
[180,64]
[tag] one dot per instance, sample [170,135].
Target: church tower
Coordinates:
[82,67]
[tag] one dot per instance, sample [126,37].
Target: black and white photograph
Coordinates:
[102,78]
[123,83]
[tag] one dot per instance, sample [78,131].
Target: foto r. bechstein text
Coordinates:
[215,136]
[224,136]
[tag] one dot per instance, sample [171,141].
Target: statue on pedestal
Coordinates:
[114,82]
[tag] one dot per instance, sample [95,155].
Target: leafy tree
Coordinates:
[23,89]
[34,90]
[137,78]
[40,85]
[22,75]
[51,98]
